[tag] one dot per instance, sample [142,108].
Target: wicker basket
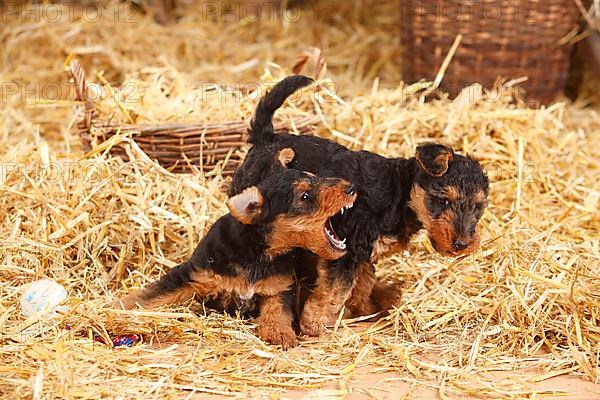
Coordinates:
[500,38]
[174,146]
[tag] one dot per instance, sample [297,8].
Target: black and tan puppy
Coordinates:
[438,190]
[252,252]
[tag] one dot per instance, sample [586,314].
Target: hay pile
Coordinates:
[529,300]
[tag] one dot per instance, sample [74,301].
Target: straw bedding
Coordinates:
[529,300]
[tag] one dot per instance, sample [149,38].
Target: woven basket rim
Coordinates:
[171,143]
[81,84]
[149,128]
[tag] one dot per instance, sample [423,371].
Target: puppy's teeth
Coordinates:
[344,241]
[342,211]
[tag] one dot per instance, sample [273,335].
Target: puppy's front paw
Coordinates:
[316,316]
[277,334]
[313,322]
[311,326]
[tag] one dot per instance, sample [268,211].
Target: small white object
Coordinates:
[43,297]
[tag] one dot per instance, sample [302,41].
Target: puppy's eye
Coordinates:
[304,196]
[444,202]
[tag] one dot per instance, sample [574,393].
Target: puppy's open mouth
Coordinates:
[332,236]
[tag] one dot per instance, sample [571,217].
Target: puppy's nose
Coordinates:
[460,245]
[351,189]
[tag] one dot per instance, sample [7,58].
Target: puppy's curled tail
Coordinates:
[261,126]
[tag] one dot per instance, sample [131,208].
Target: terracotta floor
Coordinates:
[388,386]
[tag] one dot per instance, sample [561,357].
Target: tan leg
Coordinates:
[325,302]
[360,302]
[274,324]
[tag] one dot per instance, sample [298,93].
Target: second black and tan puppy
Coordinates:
[438,190]
[252,252]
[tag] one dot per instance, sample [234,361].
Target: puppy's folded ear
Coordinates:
[434,158]
[285,156]
[246,207]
